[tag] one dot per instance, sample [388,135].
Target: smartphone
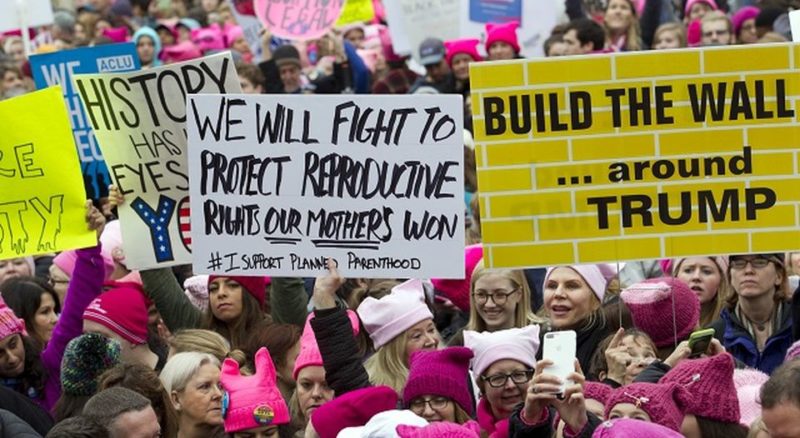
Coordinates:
[700,341]
[559,347]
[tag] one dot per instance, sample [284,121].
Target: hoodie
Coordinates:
[147,31]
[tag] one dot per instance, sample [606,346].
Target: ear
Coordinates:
[175,399]
[265,369]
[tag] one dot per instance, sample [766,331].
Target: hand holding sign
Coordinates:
[298,19]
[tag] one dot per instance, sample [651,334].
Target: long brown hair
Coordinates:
[633,36]
[238,331]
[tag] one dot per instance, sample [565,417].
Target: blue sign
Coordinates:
[495,11]
[57,68]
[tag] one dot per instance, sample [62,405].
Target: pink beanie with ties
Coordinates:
[591,274]
[123,310]
[252,401]
[742,15]
[520,344]
[630,428]
[505,32]
[443,373]
[440,429]
[309,349]
[352,409]
[664,403]
[9,323]
[387,318]
[651,304]
[458,290]
[467,46]
[66,260]
[690,3]
[709,381]
[748,384]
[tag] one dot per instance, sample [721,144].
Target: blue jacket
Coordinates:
[742,346]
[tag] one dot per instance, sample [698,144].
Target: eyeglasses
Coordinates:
[757,263]
[436,403]
[497,297]
[499,380]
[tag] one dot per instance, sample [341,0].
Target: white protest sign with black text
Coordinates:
[139,120]
[279,183]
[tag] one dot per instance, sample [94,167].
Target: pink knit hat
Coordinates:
[592,274]
[111,242]
[352,409]
[694,33]
[467,46]
[388,48]
[458,290]
[520,344]
[505,32]
[196,290]
[116,34]
[442,373]
[440,429]
[66,260]
[664,403]
[596,391]
[748,384]
[252,401]
[709,381]
[183,51]
[309,350]
[209,38]
[630,428]
[742,15]
[395,313]
[9,323]
[123,310]
[254,285]
[793,352]
[232,33]
[691,3]
[651,304]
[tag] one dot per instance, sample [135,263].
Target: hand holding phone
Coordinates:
[559,348]
[700,342]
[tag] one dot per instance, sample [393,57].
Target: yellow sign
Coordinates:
[632,156]
[41,195]
[356,11]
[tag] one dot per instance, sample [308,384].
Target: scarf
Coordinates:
[492,426]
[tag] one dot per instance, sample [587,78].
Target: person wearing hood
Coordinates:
[148,47]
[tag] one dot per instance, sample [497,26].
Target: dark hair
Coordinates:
[69,406]
[144,381]
[588,31]
[33,375]
[278,338]
[598,362]
[24,296]
[782,386]
[242,328]
[552,39]
[107,405]
[252,73]
[717,429]
[78,427]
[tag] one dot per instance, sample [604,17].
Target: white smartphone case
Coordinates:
[559,347]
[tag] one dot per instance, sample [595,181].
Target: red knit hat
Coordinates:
[352,409]
[123,310]
[665,404]
[255,286]
[458,290]
[505,32]
[710,383]
[440,429]
[651,303]
[9,323]
[443,373]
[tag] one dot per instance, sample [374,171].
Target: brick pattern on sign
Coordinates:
[606,158]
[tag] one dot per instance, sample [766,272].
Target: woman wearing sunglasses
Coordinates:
[503,365]
[758,322]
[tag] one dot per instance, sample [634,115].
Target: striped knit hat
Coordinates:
[123,310]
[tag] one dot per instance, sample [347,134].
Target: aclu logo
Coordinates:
[115,63]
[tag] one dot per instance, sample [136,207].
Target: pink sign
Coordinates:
[298,19]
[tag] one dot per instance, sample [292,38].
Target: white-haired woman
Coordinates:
[192,382]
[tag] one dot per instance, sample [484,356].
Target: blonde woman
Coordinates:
[670,36]
[622,26]
[499,300]
[707,277]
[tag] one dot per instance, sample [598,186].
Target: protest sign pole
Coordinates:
[22,10]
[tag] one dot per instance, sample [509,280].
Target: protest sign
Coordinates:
[411,21]
[356,11]
[32,12]
[638,155]
[139,120]
[298,19]
[41,196]
[245,15]
[536,19]
[57,68]
[279,183]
